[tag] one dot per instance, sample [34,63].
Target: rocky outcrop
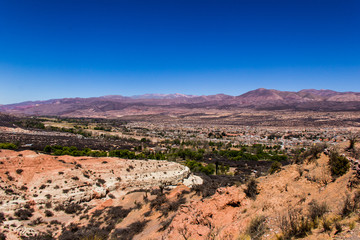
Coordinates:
[28,176]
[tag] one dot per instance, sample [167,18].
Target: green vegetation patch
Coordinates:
[11,146]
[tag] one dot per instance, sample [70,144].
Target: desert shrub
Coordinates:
[2,236]
[148,213]
[353,138]
[314,151]
[19,171]
[257,227]
[165,224]
[350,204]
[251,188]
[36,221]
[75,178]
[9,191]
[111,196]
[40,236]
[48,213]
[72,208]
[117,213]
[55,222]
[101,181]
[317,210]
[208,188]
[174,205]
[48,205]
[155,191]
[59,207]
[138,205]
[339,165]
[66,190]
[327,225]
[352,225]
[158,202]
[300,171]
[78,165]
[28,206]
[2,217]
[298,155]
[48,196]
[294,224]
[338,227]
[23,214]
[130,231]
[42,186]
[90,232]
[356,200]
[275,167]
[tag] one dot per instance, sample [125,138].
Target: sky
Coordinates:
[87,48]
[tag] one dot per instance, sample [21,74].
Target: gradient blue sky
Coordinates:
[54,49]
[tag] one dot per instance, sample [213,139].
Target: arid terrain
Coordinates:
[82,198]
[182,167]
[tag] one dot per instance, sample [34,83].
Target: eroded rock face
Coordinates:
[30,177]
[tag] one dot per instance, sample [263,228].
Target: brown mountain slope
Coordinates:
[260,99]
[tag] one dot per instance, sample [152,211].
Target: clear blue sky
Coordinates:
[60,48]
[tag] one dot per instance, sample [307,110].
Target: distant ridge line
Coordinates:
[259,99]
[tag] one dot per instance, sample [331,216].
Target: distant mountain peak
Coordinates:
[258,99]
[162,96]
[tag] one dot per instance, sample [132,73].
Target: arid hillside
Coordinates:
[301,201]
[109,198]
[36,187]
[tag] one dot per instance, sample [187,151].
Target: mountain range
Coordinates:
[259,99]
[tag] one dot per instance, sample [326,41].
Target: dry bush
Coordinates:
[339,165]
[257,227]
[24,214]
[338,227]
[275,167]
[73,208]
[350,205]
[48,213]
[314,151]
[353,138]
[327,225]
[130,231]
[2,217]
[158,202]
[251,188]
[165,224]
[317,210]
[2,236]
[39,236]
[294,224]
